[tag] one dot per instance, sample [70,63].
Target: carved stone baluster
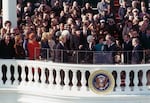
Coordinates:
[140,77]
[83,81]
[144,80]
[118,81]
[136,88]
[127,81]
[70,73]
[58,79]
[19,73]
[74,80]
[51,78]
[36,76]
[62,77]
[30,74]
[4,73]
[47,75]
[123,78]
[1,74]
[79,75]
[12,70]
[43,77]
[114,73]
[148,78]
[66,79]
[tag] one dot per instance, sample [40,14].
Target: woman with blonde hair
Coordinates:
[18,46]
[51,41]
[2,33]
[45,48]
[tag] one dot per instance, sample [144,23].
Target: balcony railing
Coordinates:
[133,79]
[93,57]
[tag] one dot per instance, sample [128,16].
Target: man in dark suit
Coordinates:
[137,52]
[127,49]
[61,54]
[145,38]
[78,43]
[7,50]
[111,48]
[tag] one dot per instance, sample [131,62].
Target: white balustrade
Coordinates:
[49,76]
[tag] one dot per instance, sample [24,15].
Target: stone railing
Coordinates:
[56,80]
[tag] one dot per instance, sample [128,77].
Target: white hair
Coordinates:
[89,38]
[65,33]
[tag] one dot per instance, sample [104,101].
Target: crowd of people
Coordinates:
[68,28]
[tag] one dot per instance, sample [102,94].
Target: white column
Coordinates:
[9,11]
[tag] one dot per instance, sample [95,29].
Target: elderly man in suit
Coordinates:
[61,54]
[137,52]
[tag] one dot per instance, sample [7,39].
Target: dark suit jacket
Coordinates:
[7,51]
[61,53]
[45,48]
[137,54]
[127,51]
[145,41]
[111,50]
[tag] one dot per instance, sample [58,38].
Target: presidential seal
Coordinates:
[101,82]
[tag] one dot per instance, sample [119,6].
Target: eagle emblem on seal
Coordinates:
[101,82]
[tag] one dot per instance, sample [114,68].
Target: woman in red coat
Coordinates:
[33,47]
